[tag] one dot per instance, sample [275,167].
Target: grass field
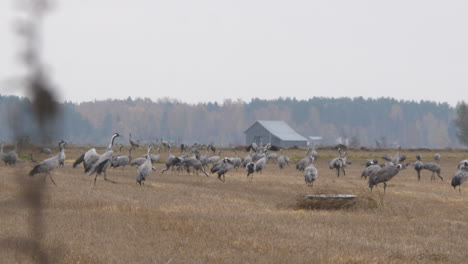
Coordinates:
[182,218]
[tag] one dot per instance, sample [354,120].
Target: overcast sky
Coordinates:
[199,51]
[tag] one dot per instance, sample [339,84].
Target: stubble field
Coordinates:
[184,218]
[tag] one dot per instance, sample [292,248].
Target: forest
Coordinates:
[382,122]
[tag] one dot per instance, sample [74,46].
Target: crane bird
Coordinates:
[462,163]
[395,159]
[339,163]
[236,161]
[310,173]
[193,162]
[437,157]
[91,156]
[283,160]
[103,162]
[434,168]
[370,170]
[11,157]
[460,176]
[171,161]
[62,156]
[250,168]
[384,174]
[222,167]
[260,164]
[144,170]
[122,161]
[303,163]
[46,166]
[133,143]
[371,162]
[47,151]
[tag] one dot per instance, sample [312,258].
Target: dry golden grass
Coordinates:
[181,218]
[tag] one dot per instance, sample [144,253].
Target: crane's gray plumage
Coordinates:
[62,156]
[236,161]
[310,173]
[462,163]
[90,157]
[11,157]
[193,162]
[314,153]
[133,143]
[144,170]
[103,162]
[47,151]
[172,161]
[303,163]
[370,170]
[122,161]
[460,176]
[214,159]
[250,168]
[371,162]
[222,167]
[46,166]
[339,163]
[138,161]
[385,174]
[247,159]
[395,159]
[437,157]
[418,166]
[434,168]
[419,156]
[283,160]
[260,164]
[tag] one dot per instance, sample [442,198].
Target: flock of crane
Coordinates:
[97,164]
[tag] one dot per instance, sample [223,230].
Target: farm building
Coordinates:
[275,132]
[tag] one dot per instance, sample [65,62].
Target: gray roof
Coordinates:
[281,130]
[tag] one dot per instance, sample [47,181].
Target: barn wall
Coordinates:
[288,144]
[257,133]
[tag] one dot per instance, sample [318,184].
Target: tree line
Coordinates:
[382,122]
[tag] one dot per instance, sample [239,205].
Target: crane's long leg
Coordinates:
[50,176]
[384,187]
[442,178]
[105,178]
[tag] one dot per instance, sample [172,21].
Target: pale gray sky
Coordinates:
[212,50]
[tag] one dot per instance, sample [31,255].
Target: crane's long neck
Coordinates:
[148,154]
[111,142]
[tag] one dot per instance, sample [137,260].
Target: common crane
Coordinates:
[221,168]
[303,163]
[103,162]
[171,161]
[144,170]
[385,174]
[434,168]
[310,173]
[250,168]
[91,156]
[46,166]
[11,157]
[133,143]
[283,160]
[339,163]
[460,176]
[122,161]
